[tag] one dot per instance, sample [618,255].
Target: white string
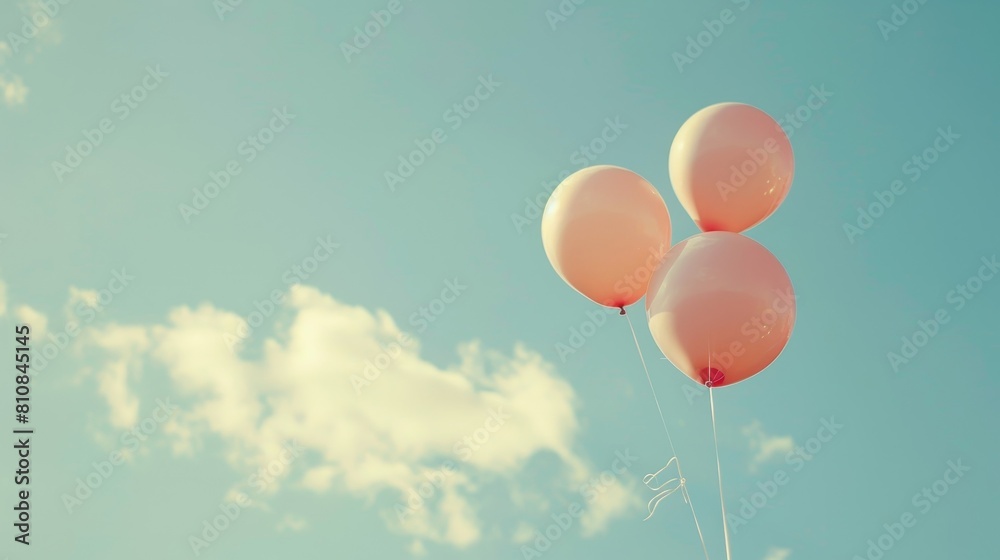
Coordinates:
[718,466]
[649,478]
[681,481]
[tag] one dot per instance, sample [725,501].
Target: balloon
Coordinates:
[731,166]
[720,307]
[605,229]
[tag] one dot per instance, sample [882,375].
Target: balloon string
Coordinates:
[718,466]
[681,481]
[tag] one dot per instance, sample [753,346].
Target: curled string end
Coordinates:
[650,481]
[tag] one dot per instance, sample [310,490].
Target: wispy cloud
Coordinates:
[778,554]
[14,90]
[292,523]
[40,24]
[37,320]
[37,29]
[765,446]
[614,502]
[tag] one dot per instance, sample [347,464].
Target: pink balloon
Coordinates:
[720,307]
[731,166]
[605,230]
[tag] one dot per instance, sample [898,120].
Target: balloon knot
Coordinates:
[622,307]
[711,376]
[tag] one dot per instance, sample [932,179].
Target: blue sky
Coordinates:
[440,282]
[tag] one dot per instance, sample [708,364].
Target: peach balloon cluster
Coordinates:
[719,305]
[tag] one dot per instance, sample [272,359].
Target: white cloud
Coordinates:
[614,501]
[778,554]
[45,27]
[319,479]
[523,534]
[183,440]
[127,344]
[37,28]
[14,90]
[292,523]
[78,302]
[766,447]
[417,548]
[389,439]
[235,496]
[35,319]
